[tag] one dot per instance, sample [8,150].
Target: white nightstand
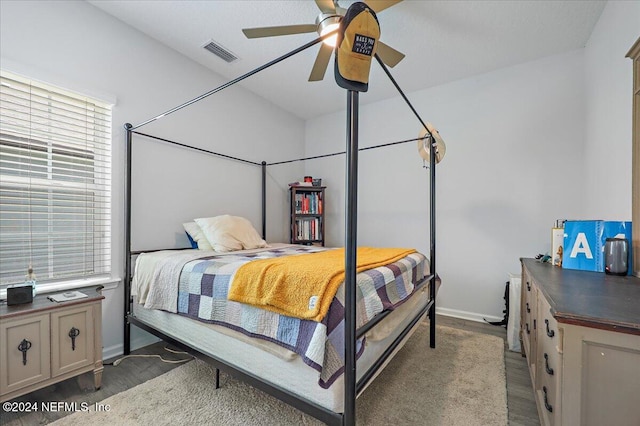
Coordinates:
[45,342]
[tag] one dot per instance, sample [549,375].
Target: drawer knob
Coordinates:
[23,347]
[550,333]
[73,333]
[546,403]
[546,365]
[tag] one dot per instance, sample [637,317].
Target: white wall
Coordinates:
[79,47]
[546,140]
[514,151]
[609,84]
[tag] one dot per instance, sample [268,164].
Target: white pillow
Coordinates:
[196,234]
[230,233]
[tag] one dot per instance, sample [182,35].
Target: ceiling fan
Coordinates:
[328,21]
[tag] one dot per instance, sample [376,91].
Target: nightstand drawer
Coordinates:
[72,339]
[24,357]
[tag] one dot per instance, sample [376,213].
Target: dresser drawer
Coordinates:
[549,332]
[548,395]
[549,366]
[530,323]
[549,380]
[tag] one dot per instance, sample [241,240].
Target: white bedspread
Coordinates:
[164,268]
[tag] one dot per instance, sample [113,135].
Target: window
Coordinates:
[55,183]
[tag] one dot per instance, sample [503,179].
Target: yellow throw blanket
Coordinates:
[303,286]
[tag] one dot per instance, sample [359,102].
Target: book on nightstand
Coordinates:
[67,296]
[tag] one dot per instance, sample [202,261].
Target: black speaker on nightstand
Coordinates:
[19,295]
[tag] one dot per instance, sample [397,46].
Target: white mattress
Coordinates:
[280,368]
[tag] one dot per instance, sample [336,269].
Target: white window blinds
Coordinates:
[55,183]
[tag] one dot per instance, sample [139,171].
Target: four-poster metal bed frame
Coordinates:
[351,386]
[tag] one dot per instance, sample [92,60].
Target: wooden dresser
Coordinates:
[580,332]
[45,342]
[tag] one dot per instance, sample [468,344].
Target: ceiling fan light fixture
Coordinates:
[326,25]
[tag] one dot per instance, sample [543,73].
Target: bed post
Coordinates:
[127,240]
[351,209]
[432,205]
[264,200]
[432,254]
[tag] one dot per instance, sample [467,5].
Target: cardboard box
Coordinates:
[584,242]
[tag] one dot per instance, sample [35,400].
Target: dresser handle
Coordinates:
[73,333]
[546,403]
[550,333]
[23,347]
[528,308]
[528,286]
[527,328]
[546,365]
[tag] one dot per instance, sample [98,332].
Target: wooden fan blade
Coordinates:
[326,6]
[380,5]
[390,56]
[278,31]
[321,63]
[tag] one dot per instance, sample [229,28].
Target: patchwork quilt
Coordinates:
[204,285]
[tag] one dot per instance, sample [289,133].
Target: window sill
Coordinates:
[109,283]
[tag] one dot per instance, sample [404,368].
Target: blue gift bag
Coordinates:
[584,242]
[582,245]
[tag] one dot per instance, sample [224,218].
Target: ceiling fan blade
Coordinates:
[278,31]
[389,55]
[326,6]
[322,61]
[380,5]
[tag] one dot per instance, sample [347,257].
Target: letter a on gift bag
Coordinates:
[582,248]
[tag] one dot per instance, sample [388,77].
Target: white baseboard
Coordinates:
[141,341]
[137,343]
[112,351]
[471,316]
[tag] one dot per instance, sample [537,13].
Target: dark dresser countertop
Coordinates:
[590,299]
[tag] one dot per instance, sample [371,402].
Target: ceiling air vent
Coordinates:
[221,52]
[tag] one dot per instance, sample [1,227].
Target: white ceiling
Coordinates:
[443,41]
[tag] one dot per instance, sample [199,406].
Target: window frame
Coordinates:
[96,179]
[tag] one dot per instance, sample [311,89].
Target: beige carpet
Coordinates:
[461,382]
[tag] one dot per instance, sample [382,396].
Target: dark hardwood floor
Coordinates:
[133,371]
